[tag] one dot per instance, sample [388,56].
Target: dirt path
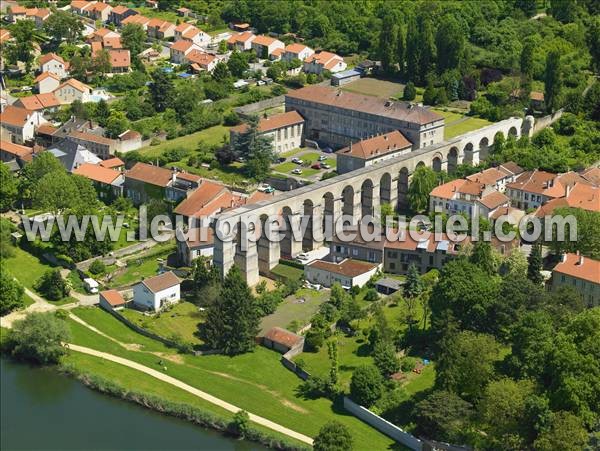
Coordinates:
[194,391]
[39,305]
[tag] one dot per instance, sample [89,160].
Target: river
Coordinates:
[42,409]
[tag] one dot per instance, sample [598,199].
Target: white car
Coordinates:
[297,161]
[322,158]
[303,256]
[264,187]
[297,171]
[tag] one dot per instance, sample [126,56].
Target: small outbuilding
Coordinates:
[345,77]
[347,273]
[157,292]
[111,300]
[283,341]
[388,286]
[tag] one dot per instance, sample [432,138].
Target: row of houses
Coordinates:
[38,15]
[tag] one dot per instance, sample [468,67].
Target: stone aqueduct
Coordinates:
[356,193]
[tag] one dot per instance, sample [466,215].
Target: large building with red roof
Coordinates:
[336,117]
[581,273]
[285,130]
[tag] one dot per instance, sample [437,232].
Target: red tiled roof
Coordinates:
[201,199]
[182,45]
[113,297]
[283,337]
[583,268]
[147,173]
[537,95]
[448,190]
[39,101]
[15,149]
[129,134]
[76,84]
[241,37]
[49,57]
[323,58]
[538,182]
[198,57]
[119,58]
[112,163]
[347,267]
[161,282]
[488,177]
[295,48]
[377,146]
[97,173]
[592,175]
[399,110]
[46,129]
[494,200]
[13,115]
[273,122]
[45,75]
[582,196]
[91,137]
[120,9]
[261,39]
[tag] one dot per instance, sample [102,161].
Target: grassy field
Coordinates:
[27,268]
[470,124]
[292,310]
[137,269]
[287,271]
[151,13]
[181,320]
[211,136]
[256,381]
[449,116]
[375,87]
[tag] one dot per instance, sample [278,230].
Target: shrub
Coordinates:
[52,285]
[97,267]
[371,295]
[366,385]
[409,91]
[407,364]
[240,425]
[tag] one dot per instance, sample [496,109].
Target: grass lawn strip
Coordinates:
[210,136]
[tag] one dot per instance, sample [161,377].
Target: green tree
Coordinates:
[232,320]
[565,432]
[332,352]
[11,292]
[97,267]
[366,385]
[117,123]
[238,64]
[32,173]
[39,337]
[413,286]
[62,25]
[450,42]
[412,51]
[443,415]
[221,72]
[55,192]
[24,37]
[553,79]
[427,48]
[8,188]
[338,296]
[534,263]
[401,47]
[52,285]
[387,45]
[529,7]
[466,364]
[101,63]
[133,38]
[483,256]
[593,40]
[333,436]
[527,54]
[385,358]
[409,91]
[102,112]
[240,424]
[162,91]
[423,180]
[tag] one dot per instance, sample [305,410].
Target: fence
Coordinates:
[290,365]
[382,425]
[260,105]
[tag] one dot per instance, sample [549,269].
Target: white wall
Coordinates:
[145,298]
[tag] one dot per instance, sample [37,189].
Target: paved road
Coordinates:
[194,391]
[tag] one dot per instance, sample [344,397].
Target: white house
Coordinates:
[347,273]
[191,33]
[322,61]
[111,300]
[180,49]
[72,90]
[296,51]
[241,41]
[46,82]
[18,124]
[265,45]
[156,292]
[53,63]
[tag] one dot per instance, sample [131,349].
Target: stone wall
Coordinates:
[255,107]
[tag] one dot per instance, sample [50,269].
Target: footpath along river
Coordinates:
[42,409]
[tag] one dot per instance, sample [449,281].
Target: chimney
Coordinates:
[174,175]
[568,190]
[580,260]
[563,258]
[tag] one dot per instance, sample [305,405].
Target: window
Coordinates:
[392,265]
[355,252]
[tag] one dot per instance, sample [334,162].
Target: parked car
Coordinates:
[322,158]
[325,166]
[297,161]
[281,160]
[328,150]
[265,188]
[316,166]
[297,171]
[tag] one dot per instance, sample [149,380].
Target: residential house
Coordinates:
[372,150]
[18,125]
[111,300]
[283,341]
[160,29]
[39,102]
[81,7]
[145,181]
[276,56]
[498,177]
[45,135]
[285,129]
[180,49]
[40,16]
[129,140]
[532,189]
[16,13]
[581,273]
[581,195]
[71,90]
[95,143]
[14,152]
[468,197]
[72,155]
[120,13]
[191,33]
[157,292]
[296,51]
[120,61]
[592,175]
[99,11]
[241,41]
[193,244]
[183,12]
[101,34]
[537,101]
[201,61]
[113,163]
[323,61]
[347,273]
[46,82]
[265,45]
[53,63]
[241,27]
[137,19]
[108,182]
[4,36]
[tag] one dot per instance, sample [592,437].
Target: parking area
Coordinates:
[305,164]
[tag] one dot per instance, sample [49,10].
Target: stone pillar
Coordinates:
[268,254]
[394,193]
[357,207]
[376,202]
[296,244]
[223,255]
[475,157]
[445,165]
[317,232]
[247,261]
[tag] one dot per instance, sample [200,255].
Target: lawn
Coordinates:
[291,153]
[27,268]
[291,310]
[449,116]
[256,382]
[470,124]
[182,320]
[211,136]
[287,168]
[139,268]
[152,13]
[287,271]
[374,87]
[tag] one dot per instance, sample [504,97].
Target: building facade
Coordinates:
[581,273]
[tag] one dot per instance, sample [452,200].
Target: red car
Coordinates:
[316,166]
